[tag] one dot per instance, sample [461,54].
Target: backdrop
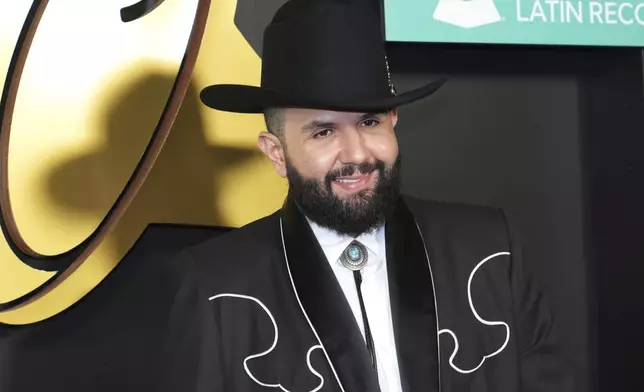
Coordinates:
[516,127]
[91,94]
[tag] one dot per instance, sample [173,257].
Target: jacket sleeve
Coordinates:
[192,357]
[543,363]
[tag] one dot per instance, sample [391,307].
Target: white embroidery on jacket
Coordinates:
[481,320]
[268,312]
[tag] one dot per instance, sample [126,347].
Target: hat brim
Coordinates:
[251,99]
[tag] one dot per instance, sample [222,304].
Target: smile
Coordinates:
[347,180]
[353,183]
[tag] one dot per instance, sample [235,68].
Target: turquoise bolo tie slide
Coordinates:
[354,257]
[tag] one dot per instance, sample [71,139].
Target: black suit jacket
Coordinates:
[260,309]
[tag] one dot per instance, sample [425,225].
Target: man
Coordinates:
[351,286]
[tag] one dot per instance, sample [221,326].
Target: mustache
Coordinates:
[349,170]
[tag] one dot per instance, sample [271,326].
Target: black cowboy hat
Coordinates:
[320,54]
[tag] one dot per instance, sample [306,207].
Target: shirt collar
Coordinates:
[333,244]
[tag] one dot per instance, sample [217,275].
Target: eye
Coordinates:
[371,122]
[323,133]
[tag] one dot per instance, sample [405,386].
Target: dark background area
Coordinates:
[551,134]
[554,136]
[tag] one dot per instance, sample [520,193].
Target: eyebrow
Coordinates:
[313,125]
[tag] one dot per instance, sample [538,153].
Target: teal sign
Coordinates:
[539,22]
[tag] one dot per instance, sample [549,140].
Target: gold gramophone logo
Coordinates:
[36,285]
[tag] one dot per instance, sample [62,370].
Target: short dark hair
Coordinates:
[274,118]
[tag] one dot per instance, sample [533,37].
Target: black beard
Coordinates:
[359,213]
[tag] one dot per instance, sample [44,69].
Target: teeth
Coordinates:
[345,180]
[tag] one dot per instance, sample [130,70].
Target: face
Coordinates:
[342,167]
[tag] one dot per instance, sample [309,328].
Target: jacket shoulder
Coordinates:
[465,224]
[473,228]
[242,241]
[446,212]
[238,251]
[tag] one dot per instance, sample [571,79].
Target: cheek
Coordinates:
[385,148]
[316,162]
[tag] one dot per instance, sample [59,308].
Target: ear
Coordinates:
[394,116]
[272,147]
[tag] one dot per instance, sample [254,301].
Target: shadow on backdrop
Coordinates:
[181,188]
[112,339]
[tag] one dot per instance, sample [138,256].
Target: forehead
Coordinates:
[302,117]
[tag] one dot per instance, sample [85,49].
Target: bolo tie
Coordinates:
[354,258]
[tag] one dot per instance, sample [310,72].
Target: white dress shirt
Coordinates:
[375,293]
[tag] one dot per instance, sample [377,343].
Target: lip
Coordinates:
[354,183]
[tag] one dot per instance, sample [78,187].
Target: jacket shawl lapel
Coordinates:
[324,303]
[412,303]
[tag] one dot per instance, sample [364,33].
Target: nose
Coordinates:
[353,147]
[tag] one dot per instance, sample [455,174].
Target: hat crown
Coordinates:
[326,50]
[320,54]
